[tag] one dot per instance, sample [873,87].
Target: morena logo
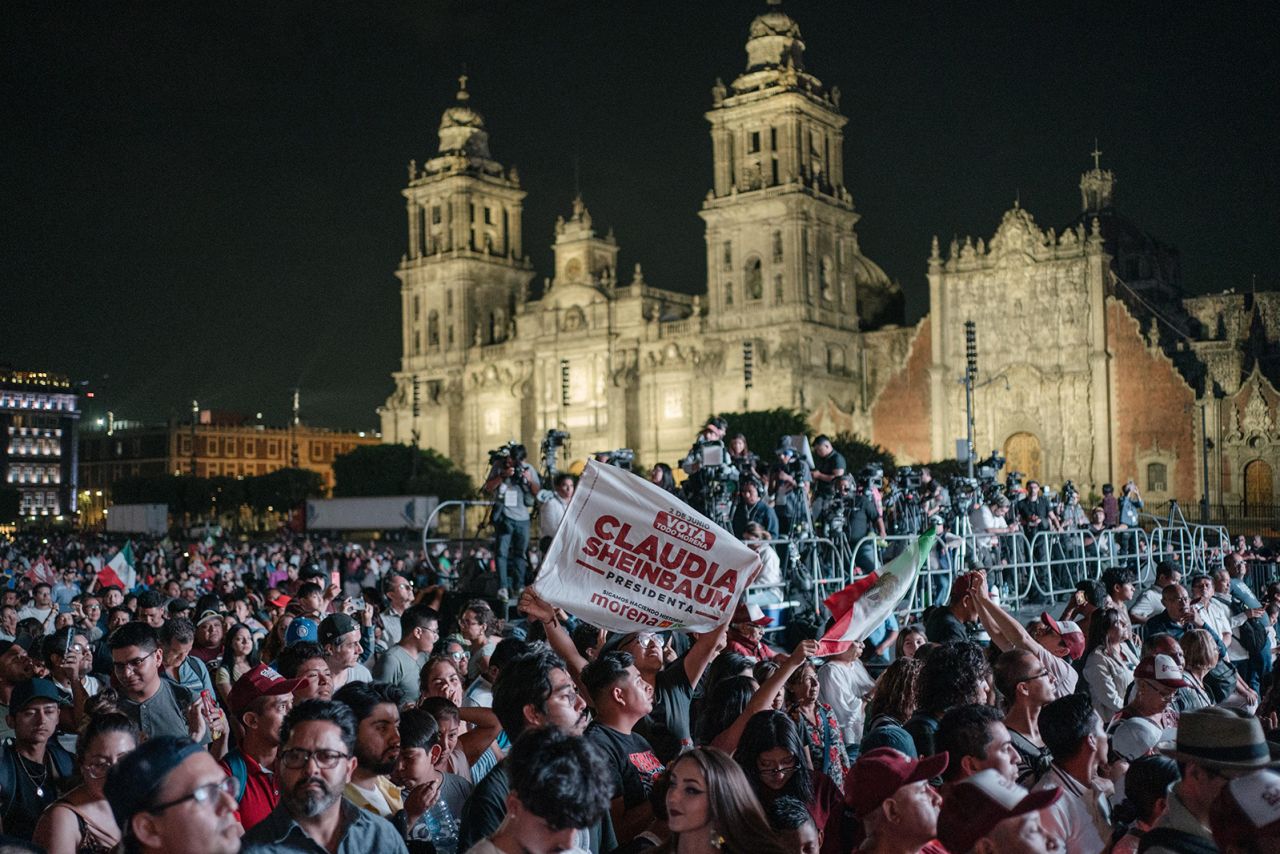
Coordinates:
[684,530]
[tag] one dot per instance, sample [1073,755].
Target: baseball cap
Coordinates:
[752,614]
[1247,808]
[335,626]
[35,689]
[280,601]
[976,804]
[1134,737]
[260,681]
[1163,669]
[301,629]
[24,641]
[1068,631]
[134,780]
[207,615]
[879,773]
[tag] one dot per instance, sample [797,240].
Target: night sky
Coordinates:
[203,200]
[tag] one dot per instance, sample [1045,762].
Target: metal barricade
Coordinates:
[453,524]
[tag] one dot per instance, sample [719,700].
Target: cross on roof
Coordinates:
[1096,154]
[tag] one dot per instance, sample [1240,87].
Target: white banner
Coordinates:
[629,555]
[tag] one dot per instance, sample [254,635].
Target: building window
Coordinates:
[777,246]
[728,255]
[777,288]
[1157,477]
[728,292]
[488,215]
[417,308]
[448,302]
[417,343]
[449,338]
[435,214]
[753,285]
[754,145]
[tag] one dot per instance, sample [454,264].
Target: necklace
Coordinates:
[39,784]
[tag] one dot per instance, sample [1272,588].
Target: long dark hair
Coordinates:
[763,732]
[727,700]
[229,655]
[1100,625]
[735,814]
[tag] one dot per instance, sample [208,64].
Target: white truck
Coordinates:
[138,519]
[375,513]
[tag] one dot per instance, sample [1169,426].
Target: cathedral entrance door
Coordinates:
[1258,496]
[1022,453]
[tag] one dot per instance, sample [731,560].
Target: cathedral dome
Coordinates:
[462,128]
[867,272]
[774,41]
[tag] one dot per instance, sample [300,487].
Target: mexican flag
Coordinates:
[864,605]
[40,572]
[120,570]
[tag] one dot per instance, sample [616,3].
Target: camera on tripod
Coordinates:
[907,479]
[870,477]
[620,457]
[1013,480]
[511,452]
[989,469]
[1069,492]
[554,440]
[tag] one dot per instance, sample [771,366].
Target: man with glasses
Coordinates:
[400,665]
[399,592]
[1027,687]
[170,795]
[316,762]
[157,705]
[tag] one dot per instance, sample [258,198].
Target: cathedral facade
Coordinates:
[1094,365]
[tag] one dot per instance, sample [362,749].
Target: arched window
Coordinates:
[433,329]
[754,283]
[1157,477]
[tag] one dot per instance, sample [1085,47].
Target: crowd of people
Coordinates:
[307,695]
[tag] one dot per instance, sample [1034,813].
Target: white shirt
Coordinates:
[550,513]
[1064,675]
[1148,604]
[842,686]
[41,614]
[1077,817]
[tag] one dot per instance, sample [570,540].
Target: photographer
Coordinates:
[751,509]
[513,483]
[552,505]
[828,468]
[1130,504]
[789,481]
[861,518]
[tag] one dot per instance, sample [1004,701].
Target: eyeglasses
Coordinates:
[1033,677]
[206,794]
[296,758]
[98,768]
[131,664]
[775,770]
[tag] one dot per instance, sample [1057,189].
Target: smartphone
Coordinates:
[335,579]
[358,604]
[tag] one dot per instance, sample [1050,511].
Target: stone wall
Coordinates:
[900,414]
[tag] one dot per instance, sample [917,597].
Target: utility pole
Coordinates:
[195,417]
[293,429]
[970,375]
[1205,446]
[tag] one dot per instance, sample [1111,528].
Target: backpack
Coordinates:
[1220,681]
[239,770]
[1253,635]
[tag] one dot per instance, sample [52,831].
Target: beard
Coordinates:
[303,802]
[378,764]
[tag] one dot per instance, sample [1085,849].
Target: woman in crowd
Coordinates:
[710,807]
[239,655]
[81,822]
[770,578]
[1108,665]
[819,728]
[271,647]
[662,475]
[478,626]
[1201,655]
[775,761]
[909,640]
[893,700]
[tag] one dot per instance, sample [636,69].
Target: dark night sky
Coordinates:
[202,200]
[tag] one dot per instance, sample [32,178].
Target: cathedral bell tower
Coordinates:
[779,221]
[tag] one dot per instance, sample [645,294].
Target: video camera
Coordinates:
[620,457]
[870,477]
[554,440]
[1013,480]
[907,479]
[989,469]
[1069,492]
[511,452]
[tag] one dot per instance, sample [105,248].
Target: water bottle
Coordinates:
[442,827]
[995,594]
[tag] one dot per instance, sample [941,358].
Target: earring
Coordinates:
[717,841]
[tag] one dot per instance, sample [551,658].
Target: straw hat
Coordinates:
[1220,738]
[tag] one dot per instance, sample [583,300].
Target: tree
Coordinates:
[282,489]
[391,470]
[764,428]
[10,505]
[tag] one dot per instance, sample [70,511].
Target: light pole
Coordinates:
[970,374]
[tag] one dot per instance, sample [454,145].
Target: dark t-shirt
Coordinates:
[943,627]
[486,807]
[27,789]
[1027,508]
[861,516]
[666,728]
[829,464]
[631,759]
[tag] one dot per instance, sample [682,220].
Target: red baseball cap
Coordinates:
[1163,669]
[1070,633]
[280,601]
[261,681]
[976,804]
[879,773]
[752,614]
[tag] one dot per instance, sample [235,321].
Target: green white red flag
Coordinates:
[864,605]
[120,570]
